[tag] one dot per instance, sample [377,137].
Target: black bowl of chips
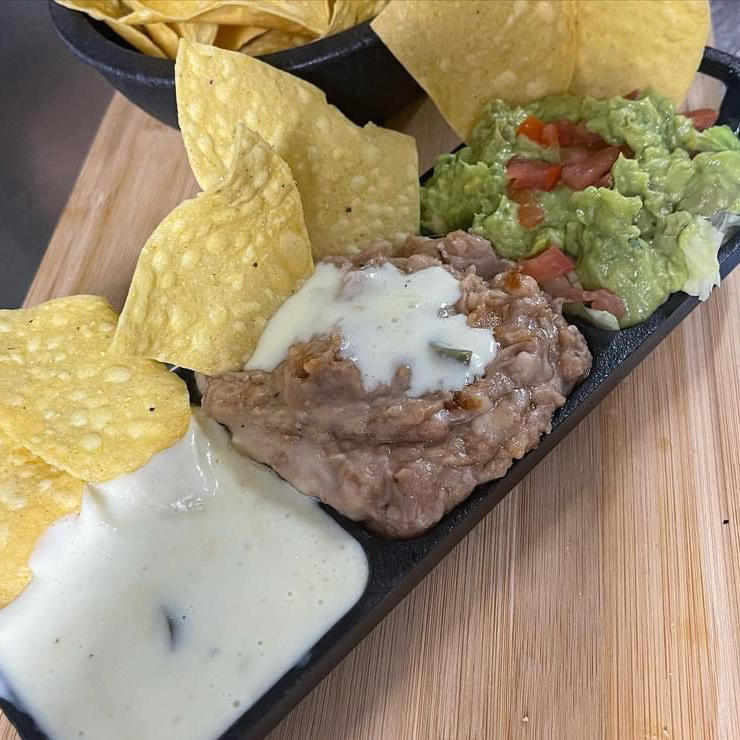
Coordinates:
[353,67]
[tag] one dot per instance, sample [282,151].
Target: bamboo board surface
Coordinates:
[600,599]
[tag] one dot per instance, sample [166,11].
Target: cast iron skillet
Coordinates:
[396,567]
[354,68]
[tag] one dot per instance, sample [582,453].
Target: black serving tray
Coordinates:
[396,567]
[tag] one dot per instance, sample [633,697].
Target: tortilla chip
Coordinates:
[358,184]
[634,44]
[273,41]
[32,496]
[366,9]
[313,15]
[231,15]
[249,15]
[203,33]
[467,52]
[295,16]
[110,11]
[65,398]
[218,267]
[348,13]
[137,38]
[165,37]
[165,11]
[234,37]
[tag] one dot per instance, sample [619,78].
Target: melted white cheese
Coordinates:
[387,319]
[180,594]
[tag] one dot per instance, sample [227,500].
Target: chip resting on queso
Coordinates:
[32,496]
[216,269]
[67,399]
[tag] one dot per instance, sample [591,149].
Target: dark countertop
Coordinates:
[51,107]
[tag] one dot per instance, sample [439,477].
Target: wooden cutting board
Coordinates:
[600,599]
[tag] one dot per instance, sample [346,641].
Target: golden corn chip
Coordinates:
[358,185]
[309,17]
[165,37]
[366,9]
[248,15]
[272,41]
[218,267]
[110,12]
[348,13]
[203,33]
[148,25]
[78,407]
[466,52]
[228,15]
[166,11]
[137,38]
[100,10]
[32,496]
[234,37]
[313,15]
[633,44]
[231,15]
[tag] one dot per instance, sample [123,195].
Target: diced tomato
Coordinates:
[702,117]
[522,196]
[552,176]
[576,134]
[567,131]
[539,131]
[581,175]
[574,154]
[605,182]
[549,136]
[530,211]
[529,173]
[588,138]
[532,127]
[632,95]
[531,214]
[548,265]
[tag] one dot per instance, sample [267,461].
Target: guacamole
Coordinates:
[625,187]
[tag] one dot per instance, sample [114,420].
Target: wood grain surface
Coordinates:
[600,599]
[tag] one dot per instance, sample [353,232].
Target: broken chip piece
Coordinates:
[217,268]
[33,494]
[358,185]
[65,398]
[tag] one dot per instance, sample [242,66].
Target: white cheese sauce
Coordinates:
[387,319]
[180,594]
